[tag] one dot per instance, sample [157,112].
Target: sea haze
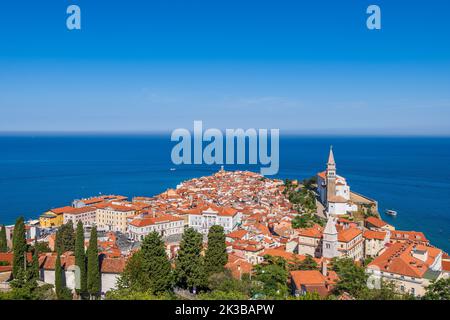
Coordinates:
[410,175]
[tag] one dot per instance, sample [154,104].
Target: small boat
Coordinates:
[172,169]
[392,213]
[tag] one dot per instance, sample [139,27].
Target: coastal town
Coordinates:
[311,224]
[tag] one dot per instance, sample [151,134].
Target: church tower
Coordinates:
[331,175]
[330,240]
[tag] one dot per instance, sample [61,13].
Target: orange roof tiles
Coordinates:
[315,231]
[149,220]
[288,256]
[347,235]
[376,222]
[408,236]
[376,235]
[399,259]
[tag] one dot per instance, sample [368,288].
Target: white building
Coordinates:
[375,242]
[228,218]
[411,267]
[165,225]
[334,191]
[87,215]
[110,270]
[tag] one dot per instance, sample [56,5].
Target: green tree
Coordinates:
[3,242]
[58,277]
[306,220]
[352,278]
[19,247]
[41,247]
[65,238]
[216,255]
[129,294]
[24,285]
[223,284]
[300,222]
[386,291]
[133,276]
[80,258]
[93,266]
[189,263]
[306,264]
[271,278]
[223,295]
[35,264]
[438,290]
[155,263]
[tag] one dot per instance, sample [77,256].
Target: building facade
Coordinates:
[87,215]
[411,267]
[165,225]
[228,218]
[113,216]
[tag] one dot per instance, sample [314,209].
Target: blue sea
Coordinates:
[410,175]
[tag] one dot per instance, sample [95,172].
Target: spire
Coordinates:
[330,228]
[331,156]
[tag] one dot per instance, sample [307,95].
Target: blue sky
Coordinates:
[305,66]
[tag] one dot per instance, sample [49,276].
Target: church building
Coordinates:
[334,191]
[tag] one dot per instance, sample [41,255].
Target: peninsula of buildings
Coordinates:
[260,218]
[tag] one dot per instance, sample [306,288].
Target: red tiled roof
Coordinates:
[408,235]
[149,220]
[376,222]
[398,259]
[347,235]
[376,235]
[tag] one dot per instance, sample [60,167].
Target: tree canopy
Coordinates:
[216,255]
[271,277]
[65,238]
[438,290]
[19,247]
[189,268]
[93,267]
[3,241]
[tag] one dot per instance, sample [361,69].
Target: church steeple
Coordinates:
[331,175]
[331,157]
[330,239]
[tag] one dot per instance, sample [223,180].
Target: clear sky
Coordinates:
[306,66]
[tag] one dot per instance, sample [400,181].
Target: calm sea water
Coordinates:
[410,175]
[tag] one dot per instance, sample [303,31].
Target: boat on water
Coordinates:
[172,169]
[392,213]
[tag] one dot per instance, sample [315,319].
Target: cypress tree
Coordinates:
[189,263]
[80,258]
[216,255]
[155,263]
[93,268]
[58,277]
[3,242]
[35,263]
[19,247]
[65,238]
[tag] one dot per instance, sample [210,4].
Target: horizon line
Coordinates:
[164,132]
